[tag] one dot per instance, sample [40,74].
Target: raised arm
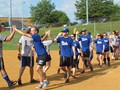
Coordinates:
[9,38]
[20,32]
[55,40]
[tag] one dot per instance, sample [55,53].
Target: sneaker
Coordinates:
[33,81]
[73,76]
[19,82]
[47,82]
[83,71]
[67,81]
[39,86]
[44,85]
[12,83]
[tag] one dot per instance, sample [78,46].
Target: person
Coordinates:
[41,53]
[85,42]
[47,44]
[65,54]
[2,66]
[115,43]
[106,46]
[26,56]
[75,61]
[99,48]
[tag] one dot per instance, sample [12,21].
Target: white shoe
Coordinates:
[47,82]
[39,86]
[44,85]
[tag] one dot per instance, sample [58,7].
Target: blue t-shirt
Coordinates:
[65,46]
[38,45]
[85,42]
[119,39]
[99,45]
[77,46]
[106,43]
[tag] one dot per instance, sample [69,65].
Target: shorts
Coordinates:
[65,61]
[86,54]
[106,51]
[115,48]
[41,60]
[48,58]
[27,61]
[2,67]
[75,62]
[99,53]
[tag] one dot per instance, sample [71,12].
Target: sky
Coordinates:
[17,10]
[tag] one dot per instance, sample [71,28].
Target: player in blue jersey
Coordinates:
[106,48]
[85,41]
[41,53]
[99,48]
[76,47]
[66,44]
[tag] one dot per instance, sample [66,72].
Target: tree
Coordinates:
[98,9]
[59,17]
[42,12]
[45,13]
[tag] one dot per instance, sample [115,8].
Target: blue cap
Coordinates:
[65,30]
[89,33]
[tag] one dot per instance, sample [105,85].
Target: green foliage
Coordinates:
[98,9]
[45,13]
[42,12]
[100,28]
[59,17]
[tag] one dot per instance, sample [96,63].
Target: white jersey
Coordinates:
[114,40]
[47,44]
[26,46]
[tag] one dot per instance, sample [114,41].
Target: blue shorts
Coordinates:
[27,61]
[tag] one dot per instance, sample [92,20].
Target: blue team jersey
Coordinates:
[38,45]
[99,45]
[85,42]
[106,43]
[65,46]
[119,39]
[77,46]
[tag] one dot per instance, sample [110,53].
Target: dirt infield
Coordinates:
[102,78]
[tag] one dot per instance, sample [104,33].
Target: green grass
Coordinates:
[100,28]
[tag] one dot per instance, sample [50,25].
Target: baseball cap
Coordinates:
[83,30]
[89,33]
[65,30]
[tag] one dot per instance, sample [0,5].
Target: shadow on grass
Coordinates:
[98,71]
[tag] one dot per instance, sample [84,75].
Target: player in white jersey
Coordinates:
[26,56]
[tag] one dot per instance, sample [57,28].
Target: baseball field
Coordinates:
[102,78]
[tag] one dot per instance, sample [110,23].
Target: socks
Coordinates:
[7,79]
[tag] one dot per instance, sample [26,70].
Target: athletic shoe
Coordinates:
[19,82]
[73,76]
[44,85]
[39,86]
[83,71]
[12,83]
[67,81]
[33,81]
[47,82]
